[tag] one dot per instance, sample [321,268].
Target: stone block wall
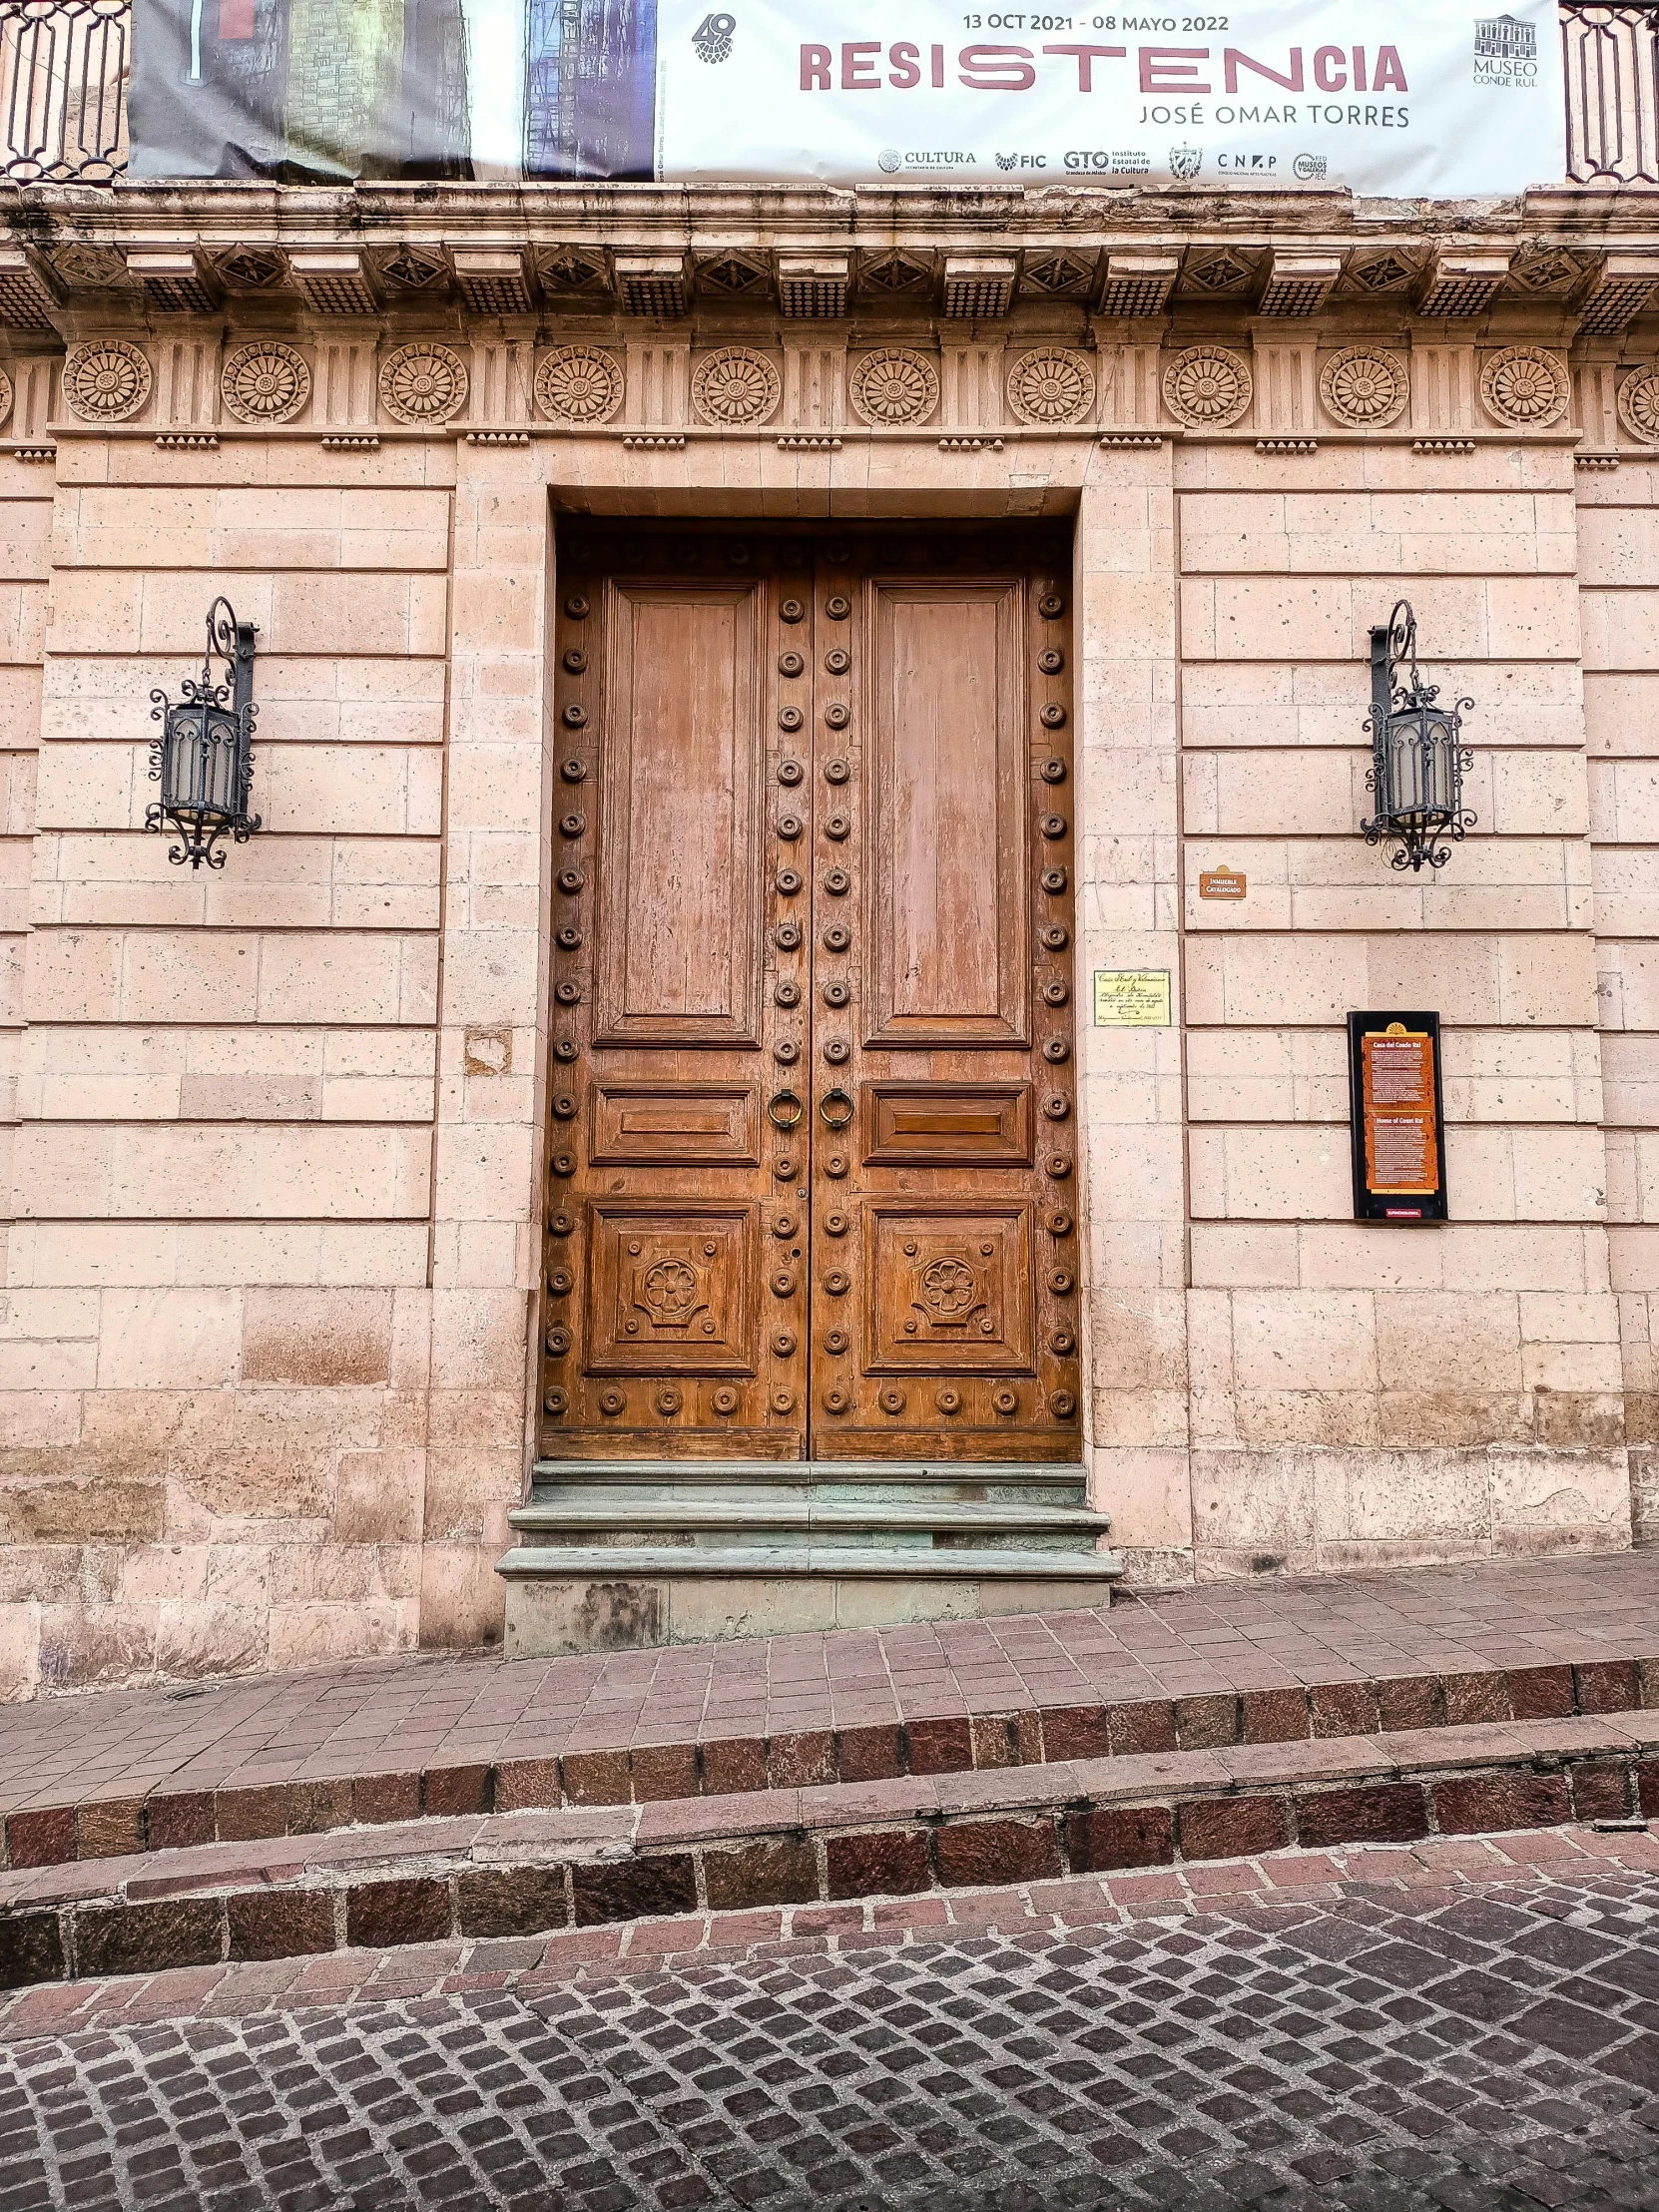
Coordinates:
[219,1305]
[1362,1393]
[1618,534]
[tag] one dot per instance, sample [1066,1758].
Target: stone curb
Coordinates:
[109,1827]
[811,1847]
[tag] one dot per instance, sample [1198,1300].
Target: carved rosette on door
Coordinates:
[812,1133]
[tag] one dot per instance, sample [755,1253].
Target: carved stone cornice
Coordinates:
[442,256]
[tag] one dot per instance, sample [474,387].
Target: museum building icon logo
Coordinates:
[1506,54]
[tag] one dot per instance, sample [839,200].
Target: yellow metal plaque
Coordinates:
[1131,998]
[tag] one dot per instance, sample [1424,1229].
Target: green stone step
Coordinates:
[814,1561]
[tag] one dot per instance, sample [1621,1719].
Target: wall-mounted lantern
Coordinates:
[204,758]
[1418,763]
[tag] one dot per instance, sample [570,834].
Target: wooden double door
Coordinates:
[812,1166]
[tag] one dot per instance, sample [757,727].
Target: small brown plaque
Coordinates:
[1222,883]
[1398,1130]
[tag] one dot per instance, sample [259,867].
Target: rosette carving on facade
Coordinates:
[1051,386]
[735,387]
[265,382]
[105,379]
[1364,388]
[423,384]
[1639,404]
[6,396]
[893,387]
[1526,386]
[580,384]
[1208,387]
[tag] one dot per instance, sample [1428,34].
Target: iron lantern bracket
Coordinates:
[1404,713]
[203,757]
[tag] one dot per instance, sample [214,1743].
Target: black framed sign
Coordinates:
[1395,1117]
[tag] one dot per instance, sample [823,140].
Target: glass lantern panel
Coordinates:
[199,763]
[1406,796]
[1440,767]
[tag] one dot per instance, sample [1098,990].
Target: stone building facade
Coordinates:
[275,1275]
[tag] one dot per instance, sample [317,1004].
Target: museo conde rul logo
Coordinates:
[1506,54]
[712,39]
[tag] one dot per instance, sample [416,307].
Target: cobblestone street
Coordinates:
[1482,2037]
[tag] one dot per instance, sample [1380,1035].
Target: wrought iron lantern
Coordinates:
[1418,762]
[204,758]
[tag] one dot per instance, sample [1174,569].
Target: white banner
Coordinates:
[1403,98]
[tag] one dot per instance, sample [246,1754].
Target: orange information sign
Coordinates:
[1222,883]
[1399,1136]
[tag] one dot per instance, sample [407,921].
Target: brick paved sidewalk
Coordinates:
[1450,1626]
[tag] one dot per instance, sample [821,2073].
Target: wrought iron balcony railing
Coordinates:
[64,65]
[63,89]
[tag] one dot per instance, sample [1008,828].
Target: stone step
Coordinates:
[838,1518]
[1007,1483]
[629,1554]
[934,1554]
[519,1874]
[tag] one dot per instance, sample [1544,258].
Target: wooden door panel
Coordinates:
[946,806]
[947,1124]
[673,1290]
[679,929]
[641,1125]
[948,1289]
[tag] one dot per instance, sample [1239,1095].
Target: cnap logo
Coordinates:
[713,38]
[1184,161]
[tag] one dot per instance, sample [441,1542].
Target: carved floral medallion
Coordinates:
[948,1291]
[1051,386]
[735,387]
[1639,404]
[893,387]
[580,384]
[105,379]
[1208,387]
[671,1292]
[423,384]
[265,382]
[1364,388]
[5,396]
[1526,386]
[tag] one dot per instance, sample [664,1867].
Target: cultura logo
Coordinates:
[1184,161]
[713,38]
[889,161]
